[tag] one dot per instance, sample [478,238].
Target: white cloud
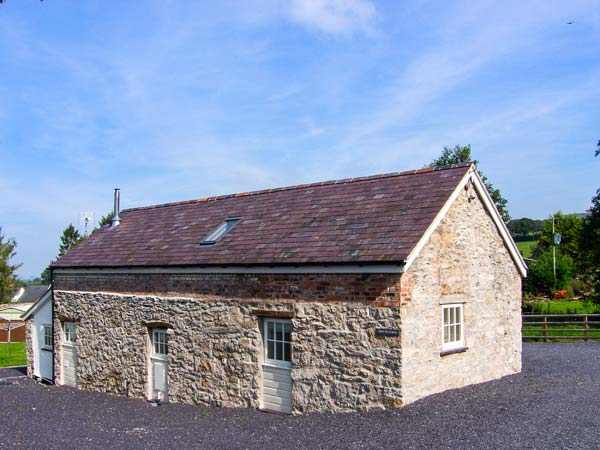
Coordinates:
[334,16]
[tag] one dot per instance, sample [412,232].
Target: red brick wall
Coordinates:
[375,289]
[16,334]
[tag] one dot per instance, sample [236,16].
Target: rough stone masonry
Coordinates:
[215,349]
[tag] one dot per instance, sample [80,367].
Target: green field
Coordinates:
[525,248]
[572,329]
[17,354]
[559,329]
[562,307]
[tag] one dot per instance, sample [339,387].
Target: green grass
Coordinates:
[564,307]
[525,248]
[18,356]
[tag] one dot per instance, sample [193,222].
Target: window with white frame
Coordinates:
[159,342]
[48,337]
[278,340]
[453,333]
[69,332]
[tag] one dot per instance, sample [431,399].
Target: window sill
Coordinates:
[277,366]
[46,349]
[453,351]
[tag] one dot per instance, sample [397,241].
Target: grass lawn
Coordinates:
[558,329]
[565,307]
[18,356]
[525,248]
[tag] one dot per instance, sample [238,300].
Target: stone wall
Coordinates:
[465,261]
[215,349]
[29,346]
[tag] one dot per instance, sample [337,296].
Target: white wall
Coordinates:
[42,358]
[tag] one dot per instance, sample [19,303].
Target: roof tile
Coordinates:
[360,220]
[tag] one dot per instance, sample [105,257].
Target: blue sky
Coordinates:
[173,100]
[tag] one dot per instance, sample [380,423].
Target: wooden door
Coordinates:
[159,366]
[69,354]
[277,367]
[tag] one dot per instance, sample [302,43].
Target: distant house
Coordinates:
[345,295]
[40,339]
[12,326]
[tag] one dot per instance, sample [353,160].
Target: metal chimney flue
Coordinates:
[116,220]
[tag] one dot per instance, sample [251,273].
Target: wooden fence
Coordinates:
[13,331]
[550,327]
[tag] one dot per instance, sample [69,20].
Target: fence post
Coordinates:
[545,328]
[585,328]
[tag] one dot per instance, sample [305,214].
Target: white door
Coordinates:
[69,354]
[277,367]
[159,365]
[44,356]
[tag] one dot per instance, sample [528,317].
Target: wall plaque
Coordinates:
[387,332]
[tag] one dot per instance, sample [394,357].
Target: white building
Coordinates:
[40,337]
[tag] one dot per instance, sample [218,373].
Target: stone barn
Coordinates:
[356,294]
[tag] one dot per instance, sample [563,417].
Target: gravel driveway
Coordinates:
[554,403]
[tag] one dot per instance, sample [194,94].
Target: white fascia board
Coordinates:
[497,218]
[37,305]
[488,203]
[354,268]
[438,219]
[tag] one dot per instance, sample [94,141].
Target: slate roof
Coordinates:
[32,293]
[377,219]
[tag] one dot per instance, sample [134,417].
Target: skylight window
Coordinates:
[221,231]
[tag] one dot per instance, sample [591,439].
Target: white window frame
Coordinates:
[46,345]
[270,361]
[159,337]
[451,327]
[69,333]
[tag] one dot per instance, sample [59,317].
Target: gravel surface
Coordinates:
[554,403]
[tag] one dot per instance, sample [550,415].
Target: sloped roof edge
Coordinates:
[301,186]
[38,304]
[473,176]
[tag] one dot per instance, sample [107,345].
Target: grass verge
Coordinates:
[18,357]
[525,248]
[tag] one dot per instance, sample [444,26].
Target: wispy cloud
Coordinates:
[334,16]
[177,100]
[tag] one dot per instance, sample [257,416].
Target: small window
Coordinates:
[159,342]
[69,332]
[221,231]
[48,337]
[453,334]
[277,334]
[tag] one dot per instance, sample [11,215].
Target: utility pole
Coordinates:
[553,252]
[556,238]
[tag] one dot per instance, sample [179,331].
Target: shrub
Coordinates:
[541,276]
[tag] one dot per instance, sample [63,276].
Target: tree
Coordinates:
[525,229]
[462,154]
[540,278]
[69,239]
[570,227]
[46,276]
[8,276]
[105,220]
[590,244]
